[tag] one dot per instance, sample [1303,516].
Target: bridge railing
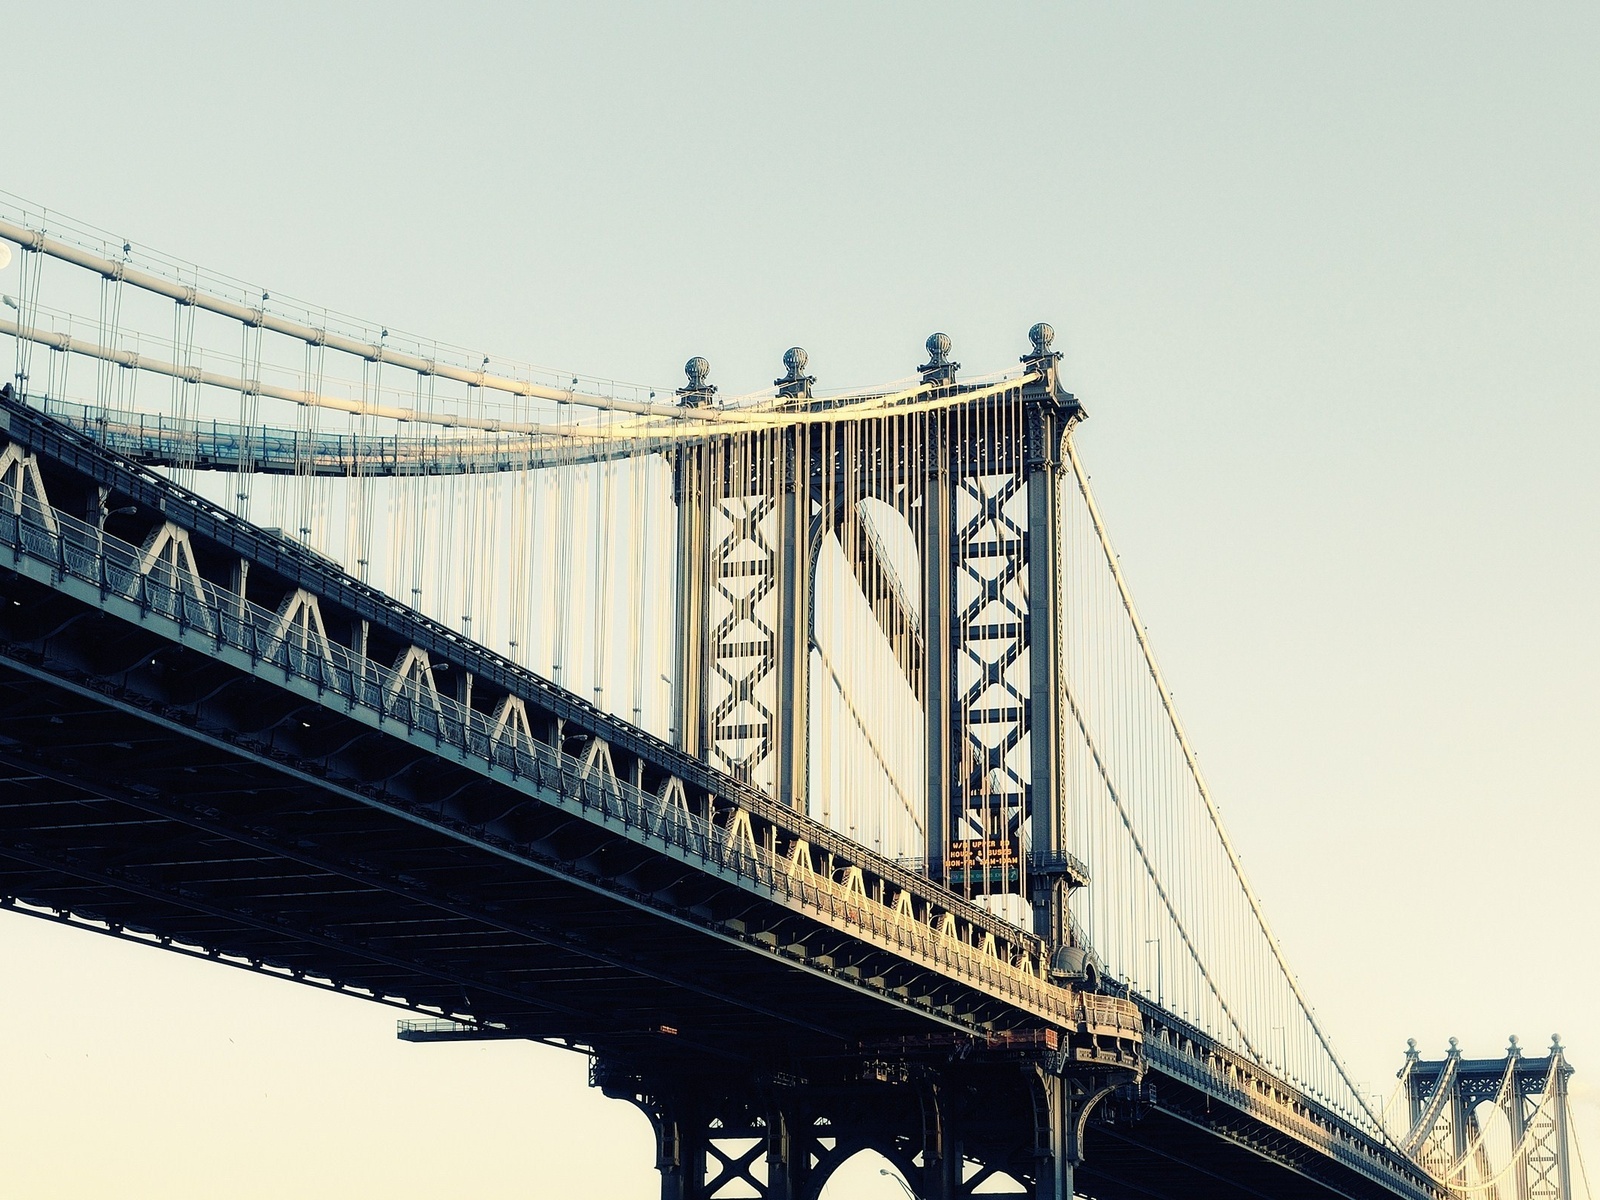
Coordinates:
[160,579]
[1183,1052]
[827,893]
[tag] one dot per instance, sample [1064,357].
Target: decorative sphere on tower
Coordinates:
[938,346]
[1041,335]
[794,361]
[697,369]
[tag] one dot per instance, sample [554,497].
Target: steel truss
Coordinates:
[955,1118]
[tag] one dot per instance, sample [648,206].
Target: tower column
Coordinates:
[1044,426]
[1055,1139]
[938,516]
[938,599]
[1563,1133]
[1413,1089]
[690,487]
[1516,1117]
[1459,1109]
[792,480]
[680,1155]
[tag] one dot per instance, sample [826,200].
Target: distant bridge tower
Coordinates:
[973,623]
[1447,1099]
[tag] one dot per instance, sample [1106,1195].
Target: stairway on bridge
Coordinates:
[831,892]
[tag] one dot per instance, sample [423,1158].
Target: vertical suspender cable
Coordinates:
[1215,816]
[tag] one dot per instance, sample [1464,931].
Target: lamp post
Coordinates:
[1156,942]
[894,1175]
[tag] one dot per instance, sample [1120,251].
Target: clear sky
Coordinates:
[1327,278]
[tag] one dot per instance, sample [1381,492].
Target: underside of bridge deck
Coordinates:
[191,817]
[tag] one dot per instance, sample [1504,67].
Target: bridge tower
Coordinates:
[973,623]
[1446,1096]
[972,619]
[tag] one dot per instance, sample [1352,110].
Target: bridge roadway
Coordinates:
[202,749]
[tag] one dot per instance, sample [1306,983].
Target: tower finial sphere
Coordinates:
[1041,335]
[795,359]
[697,369]
[938,346]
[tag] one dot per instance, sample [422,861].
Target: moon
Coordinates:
[5,256]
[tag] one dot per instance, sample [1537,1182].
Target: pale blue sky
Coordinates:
[1327,277]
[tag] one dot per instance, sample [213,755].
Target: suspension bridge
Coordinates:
[799,757]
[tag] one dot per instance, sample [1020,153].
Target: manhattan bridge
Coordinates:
[799,757]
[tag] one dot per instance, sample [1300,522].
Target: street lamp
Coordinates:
[895,1175]
[1156,942]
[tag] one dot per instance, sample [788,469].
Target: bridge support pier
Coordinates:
[957,1116]
[1056,1143]
[709,1145]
